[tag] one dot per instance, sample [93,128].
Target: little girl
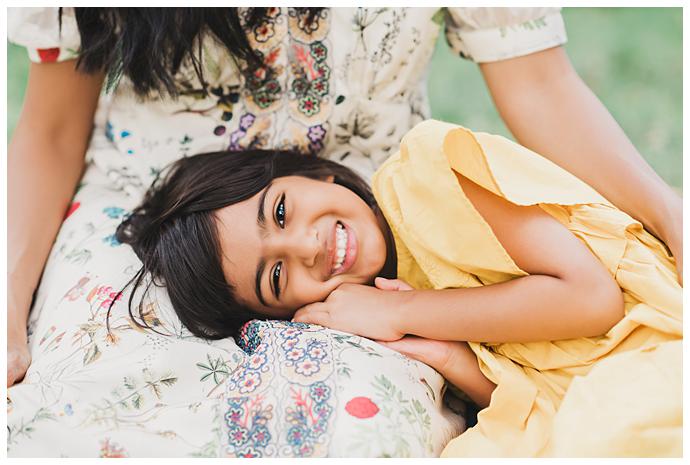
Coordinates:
[573,312]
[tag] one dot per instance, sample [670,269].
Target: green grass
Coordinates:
[630,57]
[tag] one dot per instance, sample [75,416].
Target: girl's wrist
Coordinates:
[405,316]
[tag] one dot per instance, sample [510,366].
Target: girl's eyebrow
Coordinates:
[261,222]
[257,282]
[261,216]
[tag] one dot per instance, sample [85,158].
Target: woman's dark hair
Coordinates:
[174,232]
[148,45]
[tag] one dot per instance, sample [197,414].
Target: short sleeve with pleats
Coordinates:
[493,34]
[46,38]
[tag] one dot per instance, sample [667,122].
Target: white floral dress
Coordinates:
[347,87]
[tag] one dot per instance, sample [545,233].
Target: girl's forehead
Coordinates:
[240,244]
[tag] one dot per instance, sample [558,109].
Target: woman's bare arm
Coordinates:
[550,110]
[45,162]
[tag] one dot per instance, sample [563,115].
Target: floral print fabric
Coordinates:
[332,394]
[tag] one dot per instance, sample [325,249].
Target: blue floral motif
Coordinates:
[290,332]
[260,436]
[309,418]
[248,435]
[288,344]
[257,362]
[319,392]
[307,367]
[111,240]
[249,453]
[316,350]
[295,354]
[114,212]
[296,436]
[307,410]
[237,435]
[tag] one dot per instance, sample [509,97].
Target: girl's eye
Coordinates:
[280,212]
[276,279]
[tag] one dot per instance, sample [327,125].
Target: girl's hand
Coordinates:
[364,310]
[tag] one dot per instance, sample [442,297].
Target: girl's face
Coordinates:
[297,240]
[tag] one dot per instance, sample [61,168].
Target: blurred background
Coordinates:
[630,57]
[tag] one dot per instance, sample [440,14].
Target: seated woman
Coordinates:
[519,283]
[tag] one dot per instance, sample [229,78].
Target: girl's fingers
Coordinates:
[315,313]
[391,284]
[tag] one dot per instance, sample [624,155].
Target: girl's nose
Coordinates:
[302,246]
[306,247]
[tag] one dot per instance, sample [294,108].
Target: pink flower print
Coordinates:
[361,407]
[317,352]
[307,367]
[289,344]
[289,332]
[77,290]
[256,361]
[234,415]
[295,354]
[249,382]
[237,435]
[109,299]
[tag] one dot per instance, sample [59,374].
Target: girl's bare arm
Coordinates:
[568,293]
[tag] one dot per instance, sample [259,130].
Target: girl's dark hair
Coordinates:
[174,233]
[148,45]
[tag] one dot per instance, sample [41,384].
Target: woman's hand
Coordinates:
[364,310]
[436,354]
[454,360]
[18,359]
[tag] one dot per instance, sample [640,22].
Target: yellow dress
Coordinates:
[615,395]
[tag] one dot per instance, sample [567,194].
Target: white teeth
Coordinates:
[341,244]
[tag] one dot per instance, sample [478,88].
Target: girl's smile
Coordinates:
[295,241]
[343,249]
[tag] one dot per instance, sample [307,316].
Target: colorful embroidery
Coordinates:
[310,84]
[308,416]
[246,419]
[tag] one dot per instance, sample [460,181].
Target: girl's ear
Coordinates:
[330,178]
